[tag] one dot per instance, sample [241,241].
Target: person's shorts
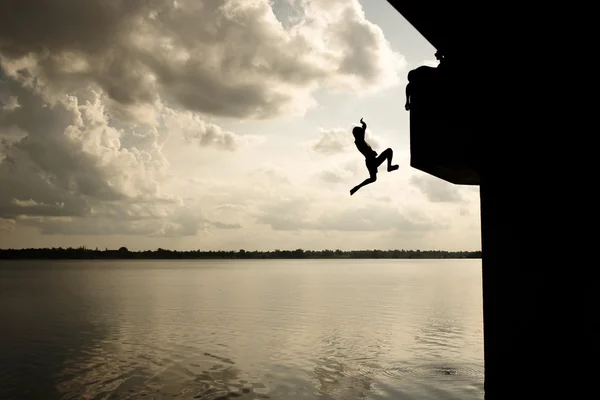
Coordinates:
[371,164]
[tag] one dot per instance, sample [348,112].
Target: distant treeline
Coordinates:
[123,253]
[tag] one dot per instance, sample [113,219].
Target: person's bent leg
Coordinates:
[387,154]
[391,167]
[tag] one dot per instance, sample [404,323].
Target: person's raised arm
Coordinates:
[364,126]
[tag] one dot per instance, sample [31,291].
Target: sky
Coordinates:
[214,125]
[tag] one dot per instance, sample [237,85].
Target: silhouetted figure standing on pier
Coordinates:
[372,160]
[423,73]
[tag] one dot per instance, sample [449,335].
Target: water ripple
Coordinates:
[438,371]
[355,330]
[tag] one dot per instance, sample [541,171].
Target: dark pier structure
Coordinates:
[463,129]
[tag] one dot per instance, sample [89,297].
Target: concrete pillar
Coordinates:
[513,331]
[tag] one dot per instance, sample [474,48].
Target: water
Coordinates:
[250,329]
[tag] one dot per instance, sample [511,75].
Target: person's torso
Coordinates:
[365,149]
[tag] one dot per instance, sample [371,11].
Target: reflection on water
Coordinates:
[303,329]
[146,377]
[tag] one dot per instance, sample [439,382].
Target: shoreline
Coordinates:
[162,254]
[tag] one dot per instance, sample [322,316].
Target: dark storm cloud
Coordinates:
[231,58]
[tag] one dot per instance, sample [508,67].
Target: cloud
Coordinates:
[171,227]
[71,148]
[295,214]
[194,129]
[437,190]
[135,220]
[377,218]
[284,214]
[268,177]
[31,203]
[7,225]
[331,177]
[335,176]
[228,58]
[222,225]
[227,207]
[92,91]
[72,172]
[332,141]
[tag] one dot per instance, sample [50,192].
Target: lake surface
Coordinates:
[241,329]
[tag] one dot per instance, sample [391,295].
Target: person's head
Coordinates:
[358,131]
[439,56]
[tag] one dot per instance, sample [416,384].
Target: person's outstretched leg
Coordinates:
[367,181]
[387,154]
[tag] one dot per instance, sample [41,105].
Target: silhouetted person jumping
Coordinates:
[422,73]
[372,160]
